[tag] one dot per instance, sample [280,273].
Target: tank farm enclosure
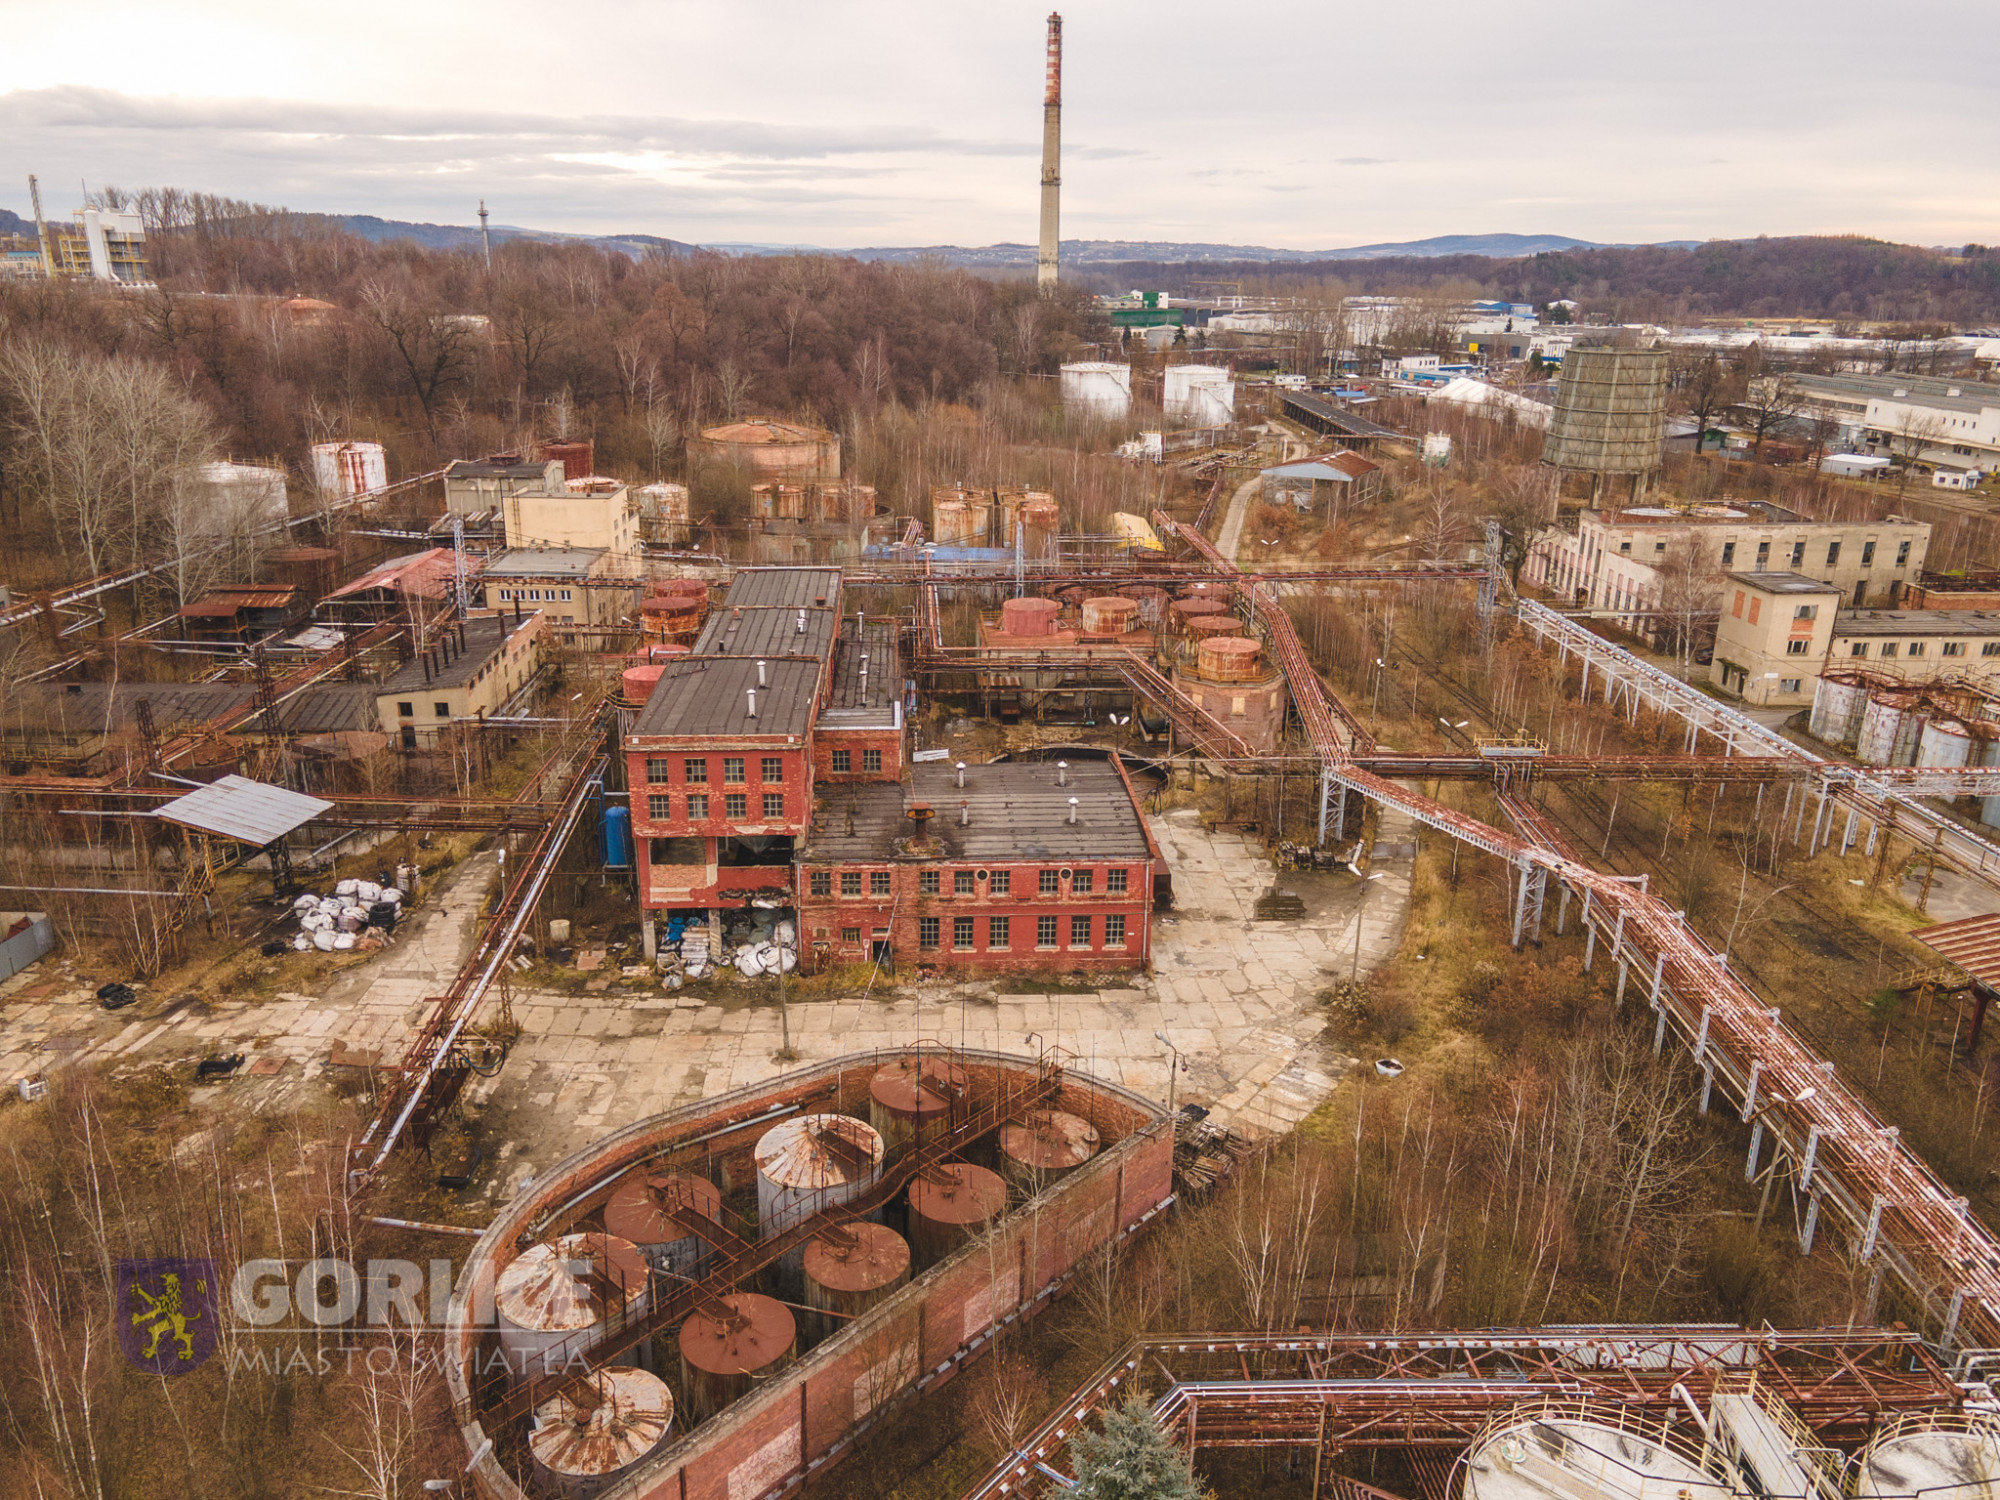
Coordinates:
[712,1303]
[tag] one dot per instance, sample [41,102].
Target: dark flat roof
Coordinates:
[1785,583]
[1873,622]
[758,630]
[331,708]
[484,468]
[93,707]
[870,702]
[710,695]
[484,636]
[784,588]
[1016,812]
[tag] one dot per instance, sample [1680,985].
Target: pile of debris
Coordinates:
[755,943]
[1206,1154]
[359,914]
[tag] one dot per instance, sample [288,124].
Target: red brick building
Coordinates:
[1022,866]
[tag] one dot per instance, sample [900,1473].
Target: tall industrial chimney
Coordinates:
[1045,259]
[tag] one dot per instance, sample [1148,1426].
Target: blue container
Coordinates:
[617,838]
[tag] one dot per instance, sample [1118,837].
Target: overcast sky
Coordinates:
[894,122]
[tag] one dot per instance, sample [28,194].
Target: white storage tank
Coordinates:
[1096,389]
[1200,395]
[238,498]
[1838,704]
[1944,742]
[1531,1455]
[561,1298]
[590,1434]
[1932,1453]
[1889,732]
[812,1163]
[344,470]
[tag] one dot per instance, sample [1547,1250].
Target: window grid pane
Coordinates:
[850,882]
[1000,883]
[774,768]
[1114,882]
[1079,932]
[1114,930]
[878,883]
[961,932]
[927,882]
[1045,932]
[997,932]
[927,932]
[961,882]
[732,768]
[657,769]
[736,805]
[774,804]
[695,770]
[697,805]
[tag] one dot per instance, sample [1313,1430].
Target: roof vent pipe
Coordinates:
[961,773]
[860,620]
[751,694]
[760,674]
[1062,777]
[1072,809]
[802,622]
[964,813]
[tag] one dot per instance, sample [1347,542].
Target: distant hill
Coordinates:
[466,236]
[1175,252]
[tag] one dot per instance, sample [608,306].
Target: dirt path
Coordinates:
[1231,535]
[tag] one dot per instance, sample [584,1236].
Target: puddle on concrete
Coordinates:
[1279,905]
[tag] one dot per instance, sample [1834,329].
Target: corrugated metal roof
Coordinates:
[870,703]
[331,708]
[428,575]
[252,812]
[1015,811]
[1973,944]
[783,588]
[710,695]
[484,636]
[761,630]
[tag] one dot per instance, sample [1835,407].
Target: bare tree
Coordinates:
[1690,595]
[1770,403]
[433,349]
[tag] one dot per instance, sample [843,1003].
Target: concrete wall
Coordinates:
[902,1348]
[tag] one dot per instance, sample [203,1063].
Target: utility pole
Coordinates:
[485,238]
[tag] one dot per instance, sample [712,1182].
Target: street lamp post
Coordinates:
[1360,908]
[1173,1070]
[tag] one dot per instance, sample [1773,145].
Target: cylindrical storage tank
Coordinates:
[1040,520]
[726,1354]
[639,683]
[1152,603]
[1109,615]
[1048,1143]
[642,1209]
[1029,616]
[951,523]
[811,1163]
[1909,731]
[1929,1454]
[1944,742]
[561,1298]
[951,1204]
[343,470]
[763,502]
[589,1435]
[1881,724]
[1181,611]
[695,589]
[1096,389]
[1649,1465]
[1230,658]
[575,457]
[980,519]
[791,503]
[1213,627]
[617,837]
[1838,705]
[850,1269]
[912,1096]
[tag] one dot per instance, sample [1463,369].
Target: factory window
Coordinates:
[566,599]
[656,769]
[1079,932]
[1797,648]
[1045,932]
[1805,612]
[406,710]
[843,761]
[1624,549]
[1659,546]
[1888,648]
[774,804]
[732,769]
[961,882]
[1729,554]
[409,739]
[961,932]
[1114,882]
[697,805]
[1047,884]
[1082,882]
[774,768]
[1832,553]
[658,807]
[927,932]
[1114,930]
[441,710]
[997,931]
[822,882]
[850,937]
[1867,554]
[1763,556]
[1859,648]
[1788,684]
[696,768]
[1991,648]
[850,882]
[1000,883]
[1902,554]
[878,882]
[927,882]
[1954,648]
[1798,554]
[1916,649]
[871,760]
[736,805]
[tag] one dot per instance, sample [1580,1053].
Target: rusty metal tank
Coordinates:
[1044,1145]
[563,1297]
[1029,617]
[1109,615]
[591,1433]
[726,1350]
[638,683]
[848,1269]
[1041,520]
[1152,602]
[952,524]
[809,1163]
[1183,612]
[949,1204]
[645,1209]
[1230,658]
[576,458]
[1213,627]
[912,1096]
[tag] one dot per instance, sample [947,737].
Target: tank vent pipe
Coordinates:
[751,693]
[1062,777]
[1072,809]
